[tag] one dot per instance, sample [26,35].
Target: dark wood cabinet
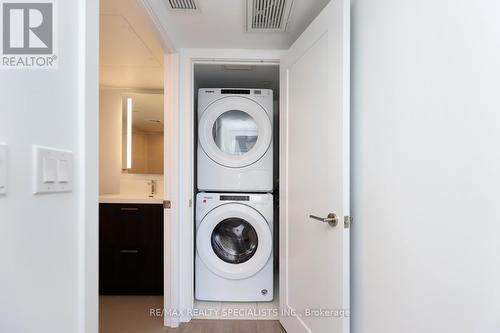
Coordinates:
[130,249]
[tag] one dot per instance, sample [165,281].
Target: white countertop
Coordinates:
[129,199]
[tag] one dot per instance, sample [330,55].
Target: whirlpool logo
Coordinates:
[28,34]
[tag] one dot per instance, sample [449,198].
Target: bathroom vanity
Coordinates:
[130,246]
[131,193]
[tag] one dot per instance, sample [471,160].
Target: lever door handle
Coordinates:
[331,219]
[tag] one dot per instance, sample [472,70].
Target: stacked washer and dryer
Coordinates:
[234,206]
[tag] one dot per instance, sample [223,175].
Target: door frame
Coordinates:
[88,168]
[179,166]
[171,176]
[88,172]
[183,270]
[172,170]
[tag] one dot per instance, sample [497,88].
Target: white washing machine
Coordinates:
[235,136]
[234,247]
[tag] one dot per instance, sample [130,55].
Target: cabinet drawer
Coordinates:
[131,249]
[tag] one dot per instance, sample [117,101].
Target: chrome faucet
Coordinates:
[153,187]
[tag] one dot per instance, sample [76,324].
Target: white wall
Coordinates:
[110,140]
[426,163]
[42,251]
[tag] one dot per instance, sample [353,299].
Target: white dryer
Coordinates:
[235,136]
[234,247]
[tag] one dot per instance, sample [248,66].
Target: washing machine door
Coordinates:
[234,241]
[235,131]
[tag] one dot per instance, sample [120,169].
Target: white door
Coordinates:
[314,176]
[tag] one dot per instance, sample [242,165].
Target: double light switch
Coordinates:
[53,170]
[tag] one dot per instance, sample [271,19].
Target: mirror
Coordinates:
[142,133]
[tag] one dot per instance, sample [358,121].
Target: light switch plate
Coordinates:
[52,170]
[3,168]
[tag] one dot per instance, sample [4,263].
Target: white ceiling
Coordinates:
[131,54]
[222,24]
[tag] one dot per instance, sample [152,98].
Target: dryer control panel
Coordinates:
[206,201]
[234,198]
[238,91]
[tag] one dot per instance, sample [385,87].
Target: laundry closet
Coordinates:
[249,121]
[235,188]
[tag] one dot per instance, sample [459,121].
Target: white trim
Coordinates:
[89,165]
[283,198]
[346,118]
[131,90]
[171,239]
[188,57]
[232,56]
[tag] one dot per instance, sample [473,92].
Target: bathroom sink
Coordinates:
[129,198]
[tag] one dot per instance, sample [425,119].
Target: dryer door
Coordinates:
[235,131]
[234,241]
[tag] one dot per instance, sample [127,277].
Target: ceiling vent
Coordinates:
[183,4]
[268,15]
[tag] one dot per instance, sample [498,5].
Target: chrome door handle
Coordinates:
[331,219]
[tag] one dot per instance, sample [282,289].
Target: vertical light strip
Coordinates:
[129,133]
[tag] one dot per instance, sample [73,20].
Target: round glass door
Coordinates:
[234,240]
[235,132]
